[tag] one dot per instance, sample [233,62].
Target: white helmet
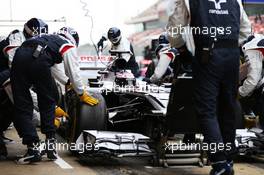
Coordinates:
[70,34]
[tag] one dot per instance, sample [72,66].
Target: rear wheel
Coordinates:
[85,117]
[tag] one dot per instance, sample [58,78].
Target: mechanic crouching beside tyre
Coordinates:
[217,27]
[32,67]
[251,91]
[166,56]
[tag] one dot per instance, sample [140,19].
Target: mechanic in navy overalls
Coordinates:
[31,66]
[32,27]
[215,68]
[8,47]
[5,72]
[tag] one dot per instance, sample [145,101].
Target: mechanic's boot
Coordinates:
[222,168]
[51,149]
[42,148]
[32,155]
[3,152]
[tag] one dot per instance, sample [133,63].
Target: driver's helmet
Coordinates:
[114,35]
[34,27]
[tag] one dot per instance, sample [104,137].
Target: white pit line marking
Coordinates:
[61,163]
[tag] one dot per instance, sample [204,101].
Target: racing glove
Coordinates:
[60,112]
[88,99]
[101,42]
[57,122]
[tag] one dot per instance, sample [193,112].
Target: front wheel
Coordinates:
[85,117]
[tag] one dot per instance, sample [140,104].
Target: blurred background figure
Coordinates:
[121,44]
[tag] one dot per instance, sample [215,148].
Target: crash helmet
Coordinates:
[250,38]
[114,35]
[70,34]
[34,27]
[163,43]
[163,39]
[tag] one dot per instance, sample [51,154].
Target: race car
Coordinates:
[124,104]
[131,119]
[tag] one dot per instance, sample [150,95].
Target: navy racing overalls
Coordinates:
[32,68]
[215,26]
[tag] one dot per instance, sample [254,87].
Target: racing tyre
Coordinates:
[85,117]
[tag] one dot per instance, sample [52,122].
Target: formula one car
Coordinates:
[124,105]
[132,120]
[131,117]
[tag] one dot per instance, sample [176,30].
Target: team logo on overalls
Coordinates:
[218,8]
[218,3]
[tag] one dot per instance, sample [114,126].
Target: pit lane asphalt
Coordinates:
[71,165]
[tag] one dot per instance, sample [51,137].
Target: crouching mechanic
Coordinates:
[120,43]
[251,91]
[32,67]
[4,120]
[215,69]
[166,56]
[8,47]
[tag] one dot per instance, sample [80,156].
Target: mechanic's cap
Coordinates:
[70,34]
[163,39]
[34,27]
[114,35]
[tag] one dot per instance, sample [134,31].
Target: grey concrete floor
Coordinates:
[127,166]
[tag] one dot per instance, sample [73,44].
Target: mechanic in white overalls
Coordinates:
[251,91]
[120,43]
[215,68]
[166,56]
